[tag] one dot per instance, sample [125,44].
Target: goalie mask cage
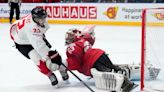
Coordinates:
[152,50]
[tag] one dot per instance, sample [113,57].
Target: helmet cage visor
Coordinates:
[40,21]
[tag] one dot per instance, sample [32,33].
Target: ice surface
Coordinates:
[18,74]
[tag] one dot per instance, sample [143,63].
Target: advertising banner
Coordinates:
[83,13]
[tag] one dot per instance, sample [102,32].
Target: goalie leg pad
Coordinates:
[125,69]
[108,80]
[133,71]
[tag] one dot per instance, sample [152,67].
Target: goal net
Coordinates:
[152,50]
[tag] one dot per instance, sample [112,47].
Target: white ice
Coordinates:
[18,74]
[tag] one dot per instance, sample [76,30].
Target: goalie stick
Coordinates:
[78,78]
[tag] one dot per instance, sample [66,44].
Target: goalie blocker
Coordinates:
[112,81]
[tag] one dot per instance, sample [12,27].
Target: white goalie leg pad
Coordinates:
[52,66]
[108,80]
[126,68]
[133,71]
[151,72]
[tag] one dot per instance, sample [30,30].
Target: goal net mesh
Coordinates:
[152,49]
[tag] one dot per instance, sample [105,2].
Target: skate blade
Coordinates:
[62,84]
[66,82]
[56,86]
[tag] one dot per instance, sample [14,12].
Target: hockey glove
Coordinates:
[55,57]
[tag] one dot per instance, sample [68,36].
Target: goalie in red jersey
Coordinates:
[82,57]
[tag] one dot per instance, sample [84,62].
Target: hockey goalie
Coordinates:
[81,56]
[94,62]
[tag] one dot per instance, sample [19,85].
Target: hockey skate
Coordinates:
[128,86]
[65,76]
[53,79]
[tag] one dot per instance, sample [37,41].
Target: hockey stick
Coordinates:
[78,78]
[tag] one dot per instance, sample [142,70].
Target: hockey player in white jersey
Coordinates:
[28,35]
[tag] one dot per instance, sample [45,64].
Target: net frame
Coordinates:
[143,43]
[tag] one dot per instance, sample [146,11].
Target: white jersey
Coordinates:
[27,32]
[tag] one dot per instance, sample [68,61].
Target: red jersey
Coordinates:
[81,56]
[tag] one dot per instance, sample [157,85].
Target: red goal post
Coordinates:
[152,26]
